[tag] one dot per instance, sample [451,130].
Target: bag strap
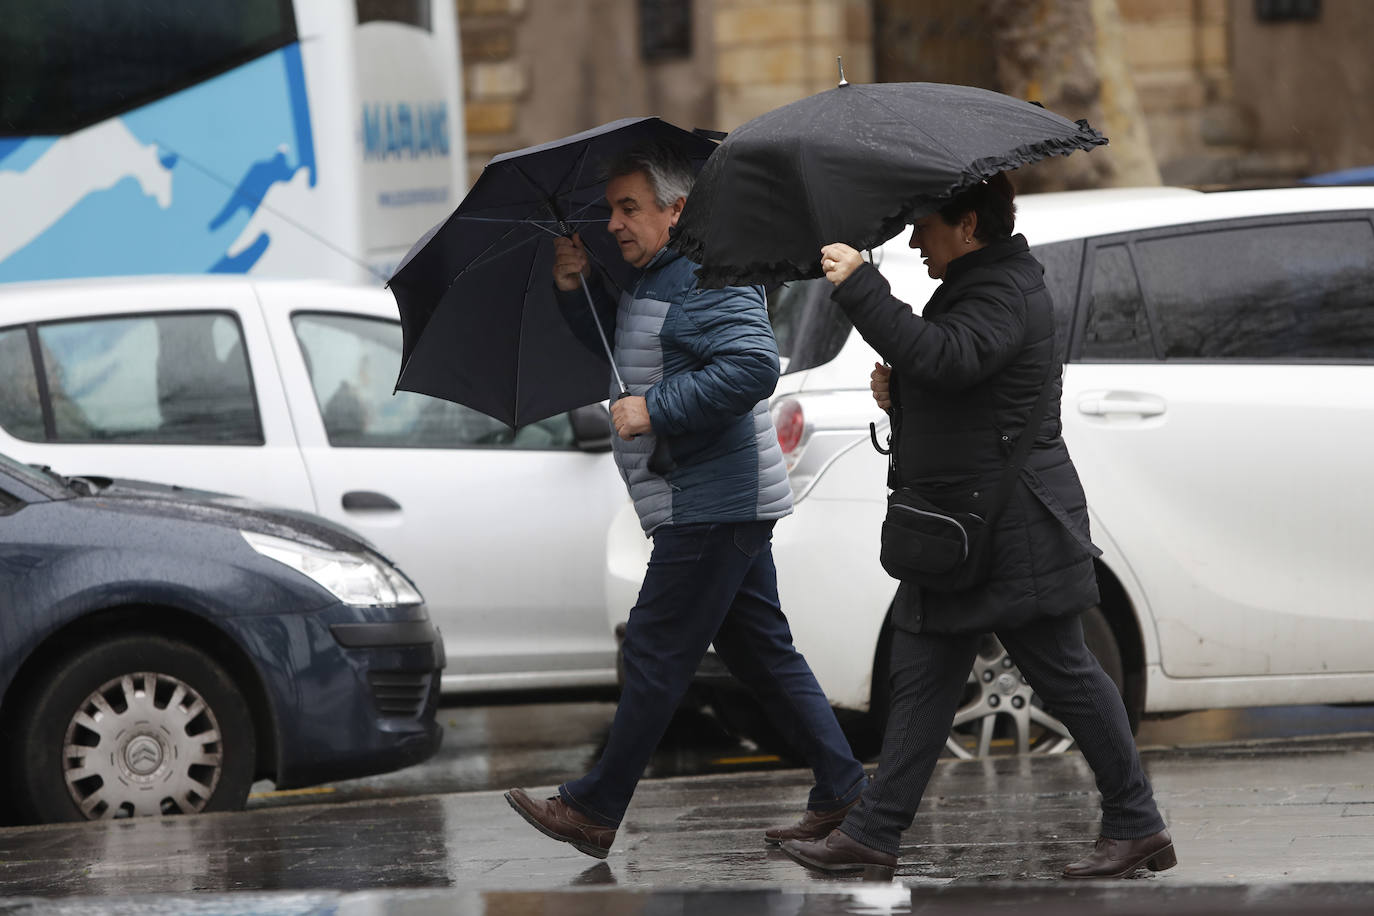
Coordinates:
[1018,458]
[1023,445]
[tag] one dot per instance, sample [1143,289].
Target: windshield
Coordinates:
[49,483]
[810,328]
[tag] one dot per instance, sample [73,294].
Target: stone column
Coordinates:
[494,80]
[771,52]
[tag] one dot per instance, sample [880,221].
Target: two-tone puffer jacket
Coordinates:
[705,361]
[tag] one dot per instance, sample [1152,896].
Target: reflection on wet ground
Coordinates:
[531,744]
[1261,722]
[499,746]
[861,900]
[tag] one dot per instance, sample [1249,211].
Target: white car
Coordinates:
[281,391]
[1219,405]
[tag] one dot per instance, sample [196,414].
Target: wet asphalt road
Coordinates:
[1271,812]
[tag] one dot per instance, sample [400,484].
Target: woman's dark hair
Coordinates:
[992,200]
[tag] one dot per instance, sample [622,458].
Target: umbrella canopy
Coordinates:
[854,164]
[480,324]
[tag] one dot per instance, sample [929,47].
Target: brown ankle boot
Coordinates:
[840,853]
[814,825]
[1121,858]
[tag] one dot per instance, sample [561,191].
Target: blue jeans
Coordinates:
[712,583]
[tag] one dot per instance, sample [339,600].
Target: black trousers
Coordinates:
[929,672]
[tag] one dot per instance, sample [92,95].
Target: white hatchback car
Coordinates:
[1219,404]
[281,391]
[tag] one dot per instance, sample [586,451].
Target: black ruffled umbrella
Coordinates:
[854,164]
[480,324]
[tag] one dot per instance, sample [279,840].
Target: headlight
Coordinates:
[357,579]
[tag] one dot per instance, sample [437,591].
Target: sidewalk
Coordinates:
[1265,827]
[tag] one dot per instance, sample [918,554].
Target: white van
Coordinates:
[296,138]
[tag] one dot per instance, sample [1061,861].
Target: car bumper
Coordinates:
[348,696]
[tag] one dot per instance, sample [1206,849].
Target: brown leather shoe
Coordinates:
[840,853]
[814,825]
[554,818]
[1121,858]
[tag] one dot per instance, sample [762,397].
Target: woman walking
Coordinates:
[965,378]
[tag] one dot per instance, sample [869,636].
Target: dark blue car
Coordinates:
[161,649]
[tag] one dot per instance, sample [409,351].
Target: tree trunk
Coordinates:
[1069,55]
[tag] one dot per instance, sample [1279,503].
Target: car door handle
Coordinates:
[367,499]
[1135,403]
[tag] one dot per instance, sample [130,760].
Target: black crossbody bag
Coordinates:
[950,551]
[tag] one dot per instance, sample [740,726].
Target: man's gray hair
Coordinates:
[667,169]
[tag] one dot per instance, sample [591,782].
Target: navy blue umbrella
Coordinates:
[480,323]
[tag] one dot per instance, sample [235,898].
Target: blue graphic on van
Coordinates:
[172,187]
[30,147]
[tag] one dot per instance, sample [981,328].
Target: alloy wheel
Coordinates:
[1001,713]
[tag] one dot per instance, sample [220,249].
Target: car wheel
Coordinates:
[1000,712]
[133,726]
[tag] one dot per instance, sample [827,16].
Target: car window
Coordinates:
[810,328]
[1295,291]
[68,65]
[21,412]
[1116,326]
[353,363]
[410,12]
[1063,263]
[167,378]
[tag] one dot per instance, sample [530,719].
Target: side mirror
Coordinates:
[591,427]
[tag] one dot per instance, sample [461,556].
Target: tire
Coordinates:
[133,726]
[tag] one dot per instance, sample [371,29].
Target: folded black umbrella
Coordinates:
[854,164]
[480,324]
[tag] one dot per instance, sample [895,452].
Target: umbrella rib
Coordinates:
[577,167]
[903,118]
[519,350]
[488,256]
[530,222]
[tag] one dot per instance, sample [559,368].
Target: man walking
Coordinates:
[696,446]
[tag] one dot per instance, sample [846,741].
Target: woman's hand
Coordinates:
[880,380]
[838,261]
[569,262]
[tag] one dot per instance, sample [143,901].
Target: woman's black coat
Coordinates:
[966,373]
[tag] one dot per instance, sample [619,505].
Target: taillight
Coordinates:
[788,418]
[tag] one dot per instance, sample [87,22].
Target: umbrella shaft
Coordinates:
[596,319]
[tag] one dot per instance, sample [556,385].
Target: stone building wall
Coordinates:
[1303,87]
[771,52]
[536,70]
[1226,100]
